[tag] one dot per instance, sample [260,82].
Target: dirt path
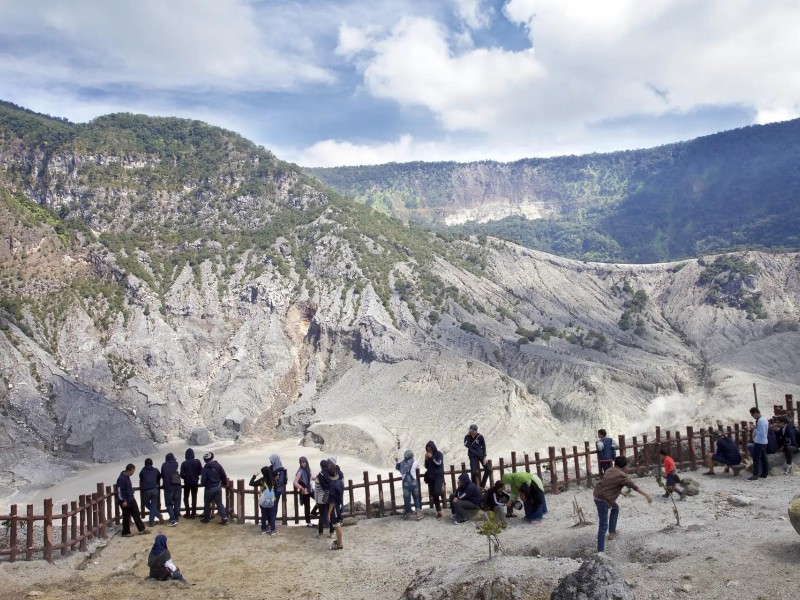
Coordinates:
[720,551]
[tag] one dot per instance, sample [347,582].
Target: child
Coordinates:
[496,501]
[302,483]
[671,474]
[335,503]
[606,451]
[267,512]
[408,471]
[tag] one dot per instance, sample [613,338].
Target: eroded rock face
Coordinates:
[794,513]
[597,579]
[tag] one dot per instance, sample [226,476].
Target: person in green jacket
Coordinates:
[535,508]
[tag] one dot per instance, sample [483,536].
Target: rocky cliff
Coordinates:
[146,293]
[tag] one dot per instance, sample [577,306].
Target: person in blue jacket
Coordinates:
[606,451]
[171,480]
[335,503]
[190,473]
[280,476]
[127,502]
[476,452]
[726,454]
[149,481]
[213,479]
[466,501]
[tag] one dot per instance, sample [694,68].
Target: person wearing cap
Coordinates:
[476,451]
[213,479]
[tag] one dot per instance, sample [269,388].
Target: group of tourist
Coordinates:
[514,491]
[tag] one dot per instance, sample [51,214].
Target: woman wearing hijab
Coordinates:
[302,483]
[408,471]
[434,477]
[279,476]
[321,485]
[160,562]
[267,512]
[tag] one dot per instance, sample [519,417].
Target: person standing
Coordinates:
[408,474]
[335,503]
[265,482]
[149,480]
[321,486]
[127,502]
[672,481]
[213,479]
[190,473]
[476,451]
[171,478]
[760,438]
[303,484]
[606,493]
[280,477]
[606,451]
[434,476]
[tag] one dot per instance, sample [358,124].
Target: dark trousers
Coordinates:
[760,465]
[604,465]
[150,501]
[788,452]
[267,518]
[186,490]
[435,493]
[213,495]
[277,504]
[172,500]
[323,518]
[131,510]
[305,500]
[464,509]
[604,524]
[474,469]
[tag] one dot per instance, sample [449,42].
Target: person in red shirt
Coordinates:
[671,474]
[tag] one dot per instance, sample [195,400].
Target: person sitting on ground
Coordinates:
[672,481]
[606,493]
[160,562]
[408,473]
[466,501]
[787,441]
[515,481]
[726,454]
[606,451]
[496,501]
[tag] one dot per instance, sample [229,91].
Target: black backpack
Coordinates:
[174,478]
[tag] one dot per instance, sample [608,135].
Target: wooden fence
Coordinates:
[91,515]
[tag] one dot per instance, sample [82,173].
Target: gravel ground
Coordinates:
[719,551]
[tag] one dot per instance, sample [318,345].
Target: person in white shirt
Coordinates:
[760,465]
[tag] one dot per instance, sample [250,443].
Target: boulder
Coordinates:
[794,513]
[691,487]
[741,501]
[200,437]
[596,579]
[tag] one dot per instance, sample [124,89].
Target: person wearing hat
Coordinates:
[408,474]
[213,479]
[476,451]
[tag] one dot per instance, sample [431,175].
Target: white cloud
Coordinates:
[353,40]
[473,13]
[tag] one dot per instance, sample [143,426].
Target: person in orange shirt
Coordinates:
[671,474]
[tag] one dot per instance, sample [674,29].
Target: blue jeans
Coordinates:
[267,516]
[604,524]
[760,464]
[408,492]
[172,499]
[150,502]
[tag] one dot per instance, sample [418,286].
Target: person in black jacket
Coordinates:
[321,496]
[335,503]
[466,501]
[476,451]
[160,562]
[149,480]
[497,501]
[127,502]
[171,478]
[434,476]
[190,473]
[787,441]
[213,479]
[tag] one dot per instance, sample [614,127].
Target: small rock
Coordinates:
[741,501]
[794,513]
[732,584]
[34,593]
[686,588]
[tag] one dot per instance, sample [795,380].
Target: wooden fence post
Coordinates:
[240,505]
[588,460]
[635,446]
[29,533]
[351,497]
[366,495]
[82,507]
[692,451]
[513,462]
[109,507]
[577,465]
[393,493]
[565,467]
[789,407]
[91,501]
[12,539]
[553,475]
[73,526]
[538,466]
[64,528]
[502,468]
[527,463]
[380,495]
[48,530]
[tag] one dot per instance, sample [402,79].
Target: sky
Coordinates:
[348,82]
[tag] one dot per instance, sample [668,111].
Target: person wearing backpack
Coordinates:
[280,477]
[408,472]
[266,499]
[302,483]
[171,478]
[606,451]
[190,473]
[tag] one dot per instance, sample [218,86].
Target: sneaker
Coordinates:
[144,532]
[335,546]
[205,520]
[438,516]
[272,532]
[127,535]
[752,478]
[173,523]
[223,522]
[310,525]
[331,535]
[460,521]
[420,516]
[614,535]
[709,473]
[405,516]
[787,470]
[264,532]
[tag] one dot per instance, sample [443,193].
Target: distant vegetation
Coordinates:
[722,192]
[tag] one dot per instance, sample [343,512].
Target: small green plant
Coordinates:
[492,527]
[661,484]
[577,511]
